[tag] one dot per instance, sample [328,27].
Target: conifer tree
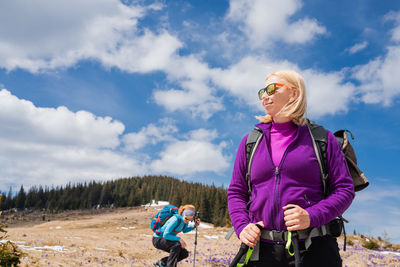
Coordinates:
[206,215]
[10,200]
[21,197]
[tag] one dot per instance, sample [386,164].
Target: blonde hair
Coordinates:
[295,110]
[181,208]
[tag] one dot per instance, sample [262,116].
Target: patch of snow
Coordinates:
[206,226]
[29,248]
[202,225]
[126,228]
[101,249]
[156,204]
[58,227]
[55,248]
[40,249]
[390,252]
[146,235]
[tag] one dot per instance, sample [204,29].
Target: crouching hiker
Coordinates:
[166,239]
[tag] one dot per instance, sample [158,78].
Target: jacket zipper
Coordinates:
[276,195]
[277,180]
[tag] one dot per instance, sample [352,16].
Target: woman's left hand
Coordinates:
[197,222]
[296,218]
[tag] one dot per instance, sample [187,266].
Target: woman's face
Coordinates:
[274,103]
[188,218]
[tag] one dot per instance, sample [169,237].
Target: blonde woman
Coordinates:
[286,190]
[168,241]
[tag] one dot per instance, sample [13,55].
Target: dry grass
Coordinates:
[121,237]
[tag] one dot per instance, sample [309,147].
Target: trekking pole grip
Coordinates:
[242,251]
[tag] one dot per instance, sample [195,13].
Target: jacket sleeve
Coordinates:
[341,187]
[168,232]
[187,228]
[237,192]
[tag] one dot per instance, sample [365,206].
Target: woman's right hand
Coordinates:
[250,235]
[183,244]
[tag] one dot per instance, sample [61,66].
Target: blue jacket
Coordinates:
[172,227]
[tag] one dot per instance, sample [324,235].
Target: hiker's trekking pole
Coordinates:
[195,237]
[293,238]
[297,257]
[244,249]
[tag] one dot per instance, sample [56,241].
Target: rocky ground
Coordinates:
[121,237]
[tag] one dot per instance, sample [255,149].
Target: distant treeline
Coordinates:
[126,192]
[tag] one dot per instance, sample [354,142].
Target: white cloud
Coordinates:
[197,95]
[394,17]
[203,135]
[52,146]
[50,164]
[357,47]
[265,21]
[196,154]
[379,79]
[107,31]
[55,125]
[150,134]
[327,93]
[55,145]
[60,34]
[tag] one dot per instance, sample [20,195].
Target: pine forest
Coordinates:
[126,192]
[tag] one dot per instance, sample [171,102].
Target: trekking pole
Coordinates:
[293,238]
[297,257]
[195,237]
[244,249]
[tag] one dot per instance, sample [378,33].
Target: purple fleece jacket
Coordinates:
[295,181]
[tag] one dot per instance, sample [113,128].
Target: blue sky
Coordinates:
[102,89]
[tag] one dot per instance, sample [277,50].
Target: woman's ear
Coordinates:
[295,95]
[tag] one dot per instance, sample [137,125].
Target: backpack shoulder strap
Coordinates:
[253,139]
[179,220]
[319,138]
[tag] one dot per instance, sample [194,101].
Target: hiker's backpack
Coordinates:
[320,141]
[162,217]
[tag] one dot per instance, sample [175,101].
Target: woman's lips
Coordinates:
[267,104]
